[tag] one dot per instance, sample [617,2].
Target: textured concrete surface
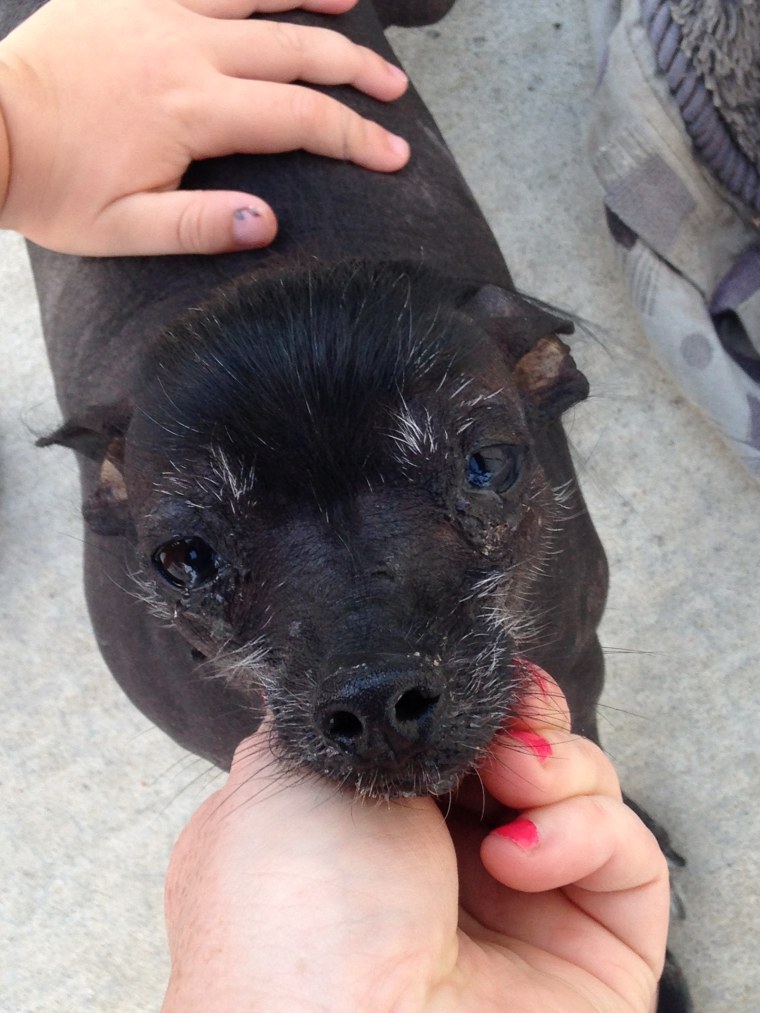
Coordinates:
[93,796]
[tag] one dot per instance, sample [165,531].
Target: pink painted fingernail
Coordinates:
[536,743]
[521,832]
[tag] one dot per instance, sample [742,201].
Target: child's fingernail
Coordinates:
[398,145]
[536,743]
[521,832]
[246,225]
[397,72]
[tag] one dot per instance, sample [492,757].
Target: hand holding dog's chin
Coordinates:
[104,105]
[285,893]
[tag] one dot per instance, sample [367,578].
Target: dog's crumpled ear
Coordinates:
[526,332]
[98,434]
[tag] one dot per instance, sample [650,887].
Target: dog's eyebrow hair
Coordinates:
[413,439]
[466,381]
[239,483]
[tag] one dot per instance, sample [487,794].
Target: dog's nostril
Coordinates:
[343,726]
[382,715]
[414,704]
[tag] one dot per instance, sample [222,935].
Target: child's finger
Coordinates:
[602,857]
[536,768]
[243,8]
[181,221]
[536,760]
[290,117]
[280,52]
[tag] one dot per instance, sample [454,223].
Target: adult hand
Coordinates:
[105,104]
[285,892]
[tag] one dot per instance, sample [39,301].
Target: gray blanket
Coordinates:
[675,144]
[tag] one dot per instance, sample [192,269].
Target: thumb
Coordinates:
[183,221]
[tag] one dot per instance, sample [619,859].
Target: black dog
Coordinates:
[331,474]
[340,480]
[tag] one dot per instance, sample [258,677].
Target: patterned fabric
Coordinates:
[689,248]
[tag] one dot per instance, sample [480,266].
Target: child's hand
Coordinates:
[285,893]
[581,919]
[106,102]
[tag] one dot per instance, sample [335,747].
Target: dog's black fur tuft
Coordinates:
[307,370]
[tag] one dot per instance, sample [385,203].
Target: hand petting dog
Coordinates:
[104,105]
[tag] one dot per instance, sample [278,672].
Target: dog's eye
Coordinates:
[186,562]
[495,468]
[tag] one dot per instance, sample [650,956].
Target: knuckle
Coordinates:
[311,112]
[315,51]
[348,55]
[190,231]
[367,58]
[356,134]
[587,749]
[291,39]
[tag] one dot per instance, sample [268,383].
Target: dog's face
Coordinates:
[335,496]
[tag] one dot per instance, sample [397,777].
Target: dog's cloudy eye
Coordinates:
[186,562]
[496,468]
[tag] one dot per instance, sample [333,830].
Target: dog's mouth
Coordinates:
[392,726]
[425,775]
[431,738]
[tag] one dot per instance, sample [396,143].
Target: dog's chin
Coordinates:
[412,783]
[421,776]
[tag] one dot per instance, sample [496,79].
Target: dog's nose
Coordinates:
[380,714]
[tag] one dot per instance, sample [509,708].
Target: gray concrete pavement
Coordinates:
[93,796]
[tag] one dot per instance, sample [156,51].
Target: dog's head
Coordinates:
[334,483]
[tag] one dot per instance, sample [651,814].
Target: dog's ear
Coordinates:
[98,434]
[526,333]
